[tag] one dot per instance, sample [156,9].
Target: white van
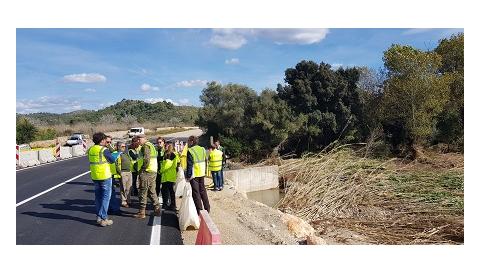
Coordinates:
[136,131]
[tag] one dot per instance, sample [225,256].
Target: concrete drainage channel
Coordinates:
[37,157]
[258,183]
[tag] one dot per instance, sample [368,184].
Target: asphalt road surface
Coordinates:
[66,214]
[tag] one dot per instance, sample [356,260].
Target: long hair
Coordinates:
[169,149]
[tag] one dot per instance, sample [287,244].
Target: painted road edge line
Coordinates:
[50,189]
[156,231]
[57,161]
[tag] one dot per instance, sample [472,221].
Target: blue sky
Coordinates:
[62,70]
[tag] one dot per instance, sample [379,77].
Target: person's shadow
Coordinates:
[81,205]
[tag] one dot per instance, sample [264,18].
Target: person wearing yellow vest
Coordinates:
[100,159]
[168,171]
[215,166]
[224,161]
[132,152]
[161,153]
[114,205]
[195,173]
[124,166]
[147,160]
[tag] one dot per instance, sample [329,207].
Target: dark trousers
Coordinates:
[134,183]
[199,194]
[168,195]
[158,183]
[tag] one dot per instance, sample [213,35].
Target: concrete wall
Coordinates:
[65,152]
[28,158]
[253,179]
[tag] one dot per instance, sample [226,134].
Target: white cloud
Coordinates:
[156,100]
[48,104]
[232,61]
[147,88]
[90,90]
[191,83]
[236,38]
[228,40]
[84,78]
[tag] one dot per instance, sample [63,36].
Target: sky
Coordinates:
[64,70]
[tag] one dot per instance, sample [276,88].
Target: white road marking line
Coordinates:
[50,189]
[50,163]
[156,231]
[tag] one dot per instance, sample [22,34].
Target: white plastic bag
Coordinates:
[188,213]
[180,183]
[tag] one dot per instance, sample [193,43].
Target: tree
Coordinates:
[26,131]
[329,99]
[415,93]
[272,123]
[371,84]
[451,120]
[226,109]
[249,125]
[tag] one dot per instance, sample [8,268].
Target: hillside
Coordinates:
[123,111]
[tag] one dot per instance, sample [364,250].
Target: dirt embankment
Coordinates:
[244,222]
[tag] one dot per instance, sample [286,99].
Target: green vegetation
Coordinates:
[125,111]
[388,201]
[415,100]
[442,189]
[25,131]
[121,116]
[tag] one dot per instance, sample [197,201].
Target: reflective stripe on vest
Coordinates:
[199,158]
[215,160]
[99,167]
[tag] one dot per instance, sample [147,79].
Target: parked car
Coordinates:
[135,131]
[75,139]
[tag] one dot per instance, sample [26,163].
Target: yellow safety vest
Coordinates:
[153,165]
[99,167]
[119,162]
[199,158]
[169,169]
[215,160]
[183,157]
[139,158]
[132,162]
[113,169]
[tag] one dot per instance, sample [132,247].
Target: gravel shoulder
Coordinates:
[243,222]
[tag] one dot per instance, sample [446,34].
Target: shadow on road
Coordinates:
[80,205]
[56,216]
[80,183]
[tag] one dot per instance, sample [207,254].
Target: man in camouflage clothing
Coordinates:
[147,176]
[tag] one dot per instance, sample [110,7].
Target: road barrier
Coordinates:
[46,156]
[57,149]
[18,153]
[78,150]
[28,158]
[84,144]
[65,152]
[208,233]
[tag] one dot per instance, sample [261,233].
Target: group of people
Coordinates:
[144,169]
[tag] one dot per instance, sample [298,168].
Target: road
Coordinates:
[64,212]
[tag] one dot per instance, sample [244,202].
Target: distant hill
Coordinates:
[125,110]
